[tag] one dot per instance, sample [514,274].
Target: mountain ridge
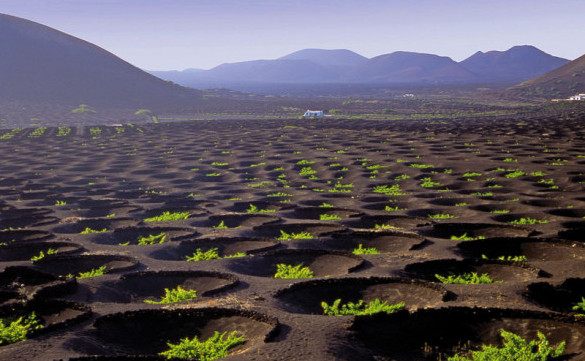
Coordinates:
[321,66]
[42,64]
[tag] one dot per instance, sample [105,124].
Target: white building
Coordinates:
[314,114]
[578,97]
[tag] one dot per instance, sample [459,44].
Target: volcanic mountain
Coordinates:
[39,64]
[514,65]
[403,67]
[336,57]
[563,82]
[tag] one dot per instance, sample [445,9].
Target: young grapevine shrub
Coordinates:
[466,279]
[18,330]
[285,271]
[360,308]
[175,295]
[214,348]
[515,349]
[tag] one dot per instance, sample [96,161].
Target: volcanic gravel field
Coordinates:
[434,197]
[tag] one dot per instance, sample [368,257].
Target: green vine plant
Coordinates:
[88,230]
[221,225]
[467,279]
[329,217]
[359,308]
[285,271]
[16,330]
[286,236]
[169,216]
[520,258]
[91,273]
[515,348]
[580,307]
[210,254]
[42,254]
[174,295]
[255,209]
[152,239]
[361,250]
[465,237]
[214,348]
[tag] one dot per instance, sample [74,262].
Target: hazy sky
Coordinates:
[179,34]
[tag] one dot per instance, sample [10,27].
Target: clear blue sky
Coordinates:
[179,34]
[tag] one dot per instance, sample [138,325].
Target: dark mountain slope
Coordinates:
[41,65]
[514,65]
[562,82]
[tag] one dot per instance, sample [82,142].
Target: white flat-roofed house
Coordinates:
[578,97]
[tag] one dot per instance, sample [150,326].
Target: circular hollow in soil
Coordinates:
[64,265]
[570,212]
[95,224]
[102,203]
[242,207]
[25,251]
[534,249]
[241,220]
[315,229]
[226,246]
[141,286]
[497,270]
[17,236]
[322,263]
[427,213]
[193,211]
[456,201]
[475,230]
[27,221]
[426,334]
[384,241]
[512,217]
[147,332]
[560,297]
[53,314]
[306,297]
[371,221]
[316,212]
[131,235]
[494,208]
[382,206]
[27,283]
[548,203]
[15,213]
[100,212]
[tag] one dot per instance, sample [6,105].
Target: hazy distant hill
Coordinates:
[319,66]
[562,82]
[337,57]
[514,65]
[177,76]
[41,65]
[274,71]
[406,67]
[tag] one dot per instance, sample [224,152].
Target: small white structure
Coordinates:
[578,97]
[313,114]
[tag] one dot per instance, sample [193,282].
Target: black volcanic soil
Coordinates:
[462,190]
